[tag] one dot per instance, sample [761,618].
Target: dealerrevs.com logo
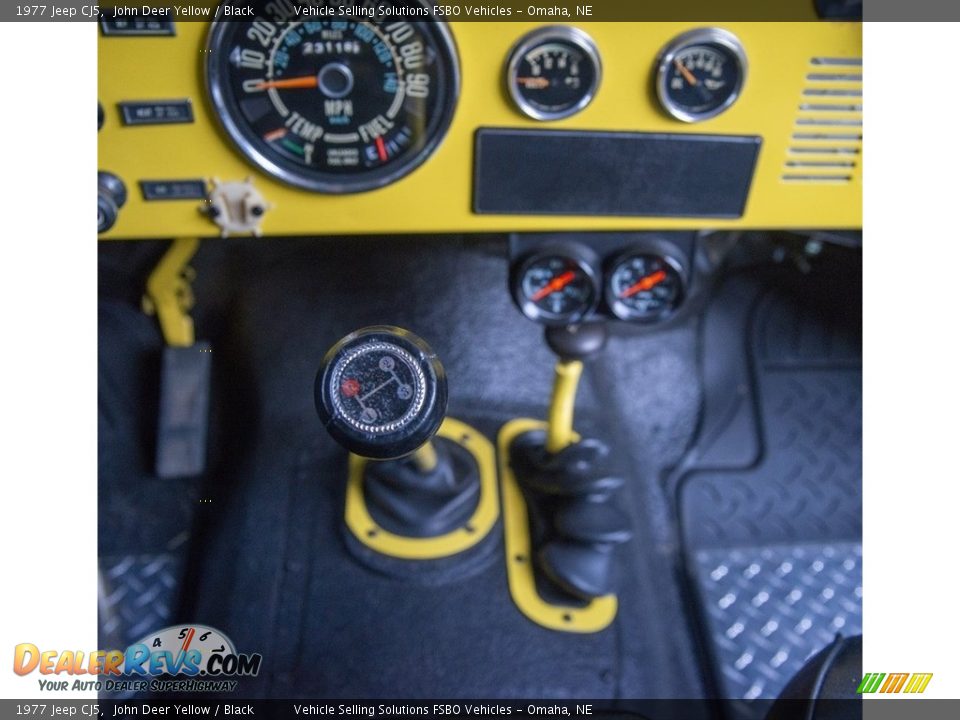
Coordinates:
[181,658]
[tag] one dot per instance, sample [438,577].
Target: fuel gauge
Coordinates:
[556,287]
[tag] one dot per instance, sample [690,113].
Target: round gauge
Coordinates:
[644,287]
[701,74]
[333,106]
[555,288]
[381,392]
[553,72]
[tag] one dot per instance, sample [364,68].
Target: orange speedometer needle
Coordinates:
[645,283]
[558,283]
[687,75]
[310,81]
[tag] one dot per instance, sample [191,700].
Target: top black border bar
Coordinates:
[543,11]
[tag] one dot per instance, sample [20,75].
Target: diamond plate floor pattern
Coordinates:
[136,596]
[769,609]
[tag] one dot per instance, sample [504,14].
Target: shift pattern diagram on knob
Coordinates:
[381,392]
[378,388]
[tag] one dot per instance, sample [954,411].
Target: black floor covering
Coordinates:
[265,560]
[267,563]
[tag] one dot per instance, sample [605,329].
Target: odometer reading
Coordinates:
[333,106]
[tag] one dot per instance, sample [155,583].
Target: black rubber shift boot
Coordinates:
[412,503]
[575,524]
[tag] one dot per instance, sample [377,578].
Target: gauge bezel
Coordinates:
[562,33]
[699,36]
[620,310]
[337,184]
[582,257]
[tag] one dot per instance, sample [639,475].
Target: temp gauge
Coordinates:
[556,287]
[643,287]
[553,72]
[700,74]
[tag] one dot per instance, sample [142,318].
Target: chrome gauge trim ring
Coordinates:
[561,33]
[700,36]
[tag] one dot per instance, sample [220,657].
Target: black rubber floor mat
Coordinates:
[770,494]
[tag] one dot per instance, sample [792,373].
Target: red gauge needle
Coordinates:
[645,283]
[558,283]
[310,81]
[687,75]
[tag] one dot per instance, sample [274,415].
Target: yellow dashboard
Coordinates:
[800,101]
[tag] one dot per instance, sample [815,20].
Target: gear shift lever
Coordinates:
[381,393]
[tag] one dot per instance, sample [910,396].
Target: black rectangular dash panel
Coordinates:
[540,172]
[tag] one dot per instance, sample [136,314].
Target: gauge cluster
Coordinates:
[291,124]
[554,72]
[639,278]
[351,105]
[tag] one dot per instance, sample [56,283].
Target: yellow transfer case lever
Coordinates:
[600,612]
[560,416]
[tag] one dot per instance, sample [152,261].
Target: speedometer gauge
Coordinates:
[334,105]
[700,74]
[553,72]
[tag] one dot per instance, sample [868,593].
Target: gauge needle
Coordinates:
[687,75]
[310,81]
[534,83]
[558,283]
[645,283]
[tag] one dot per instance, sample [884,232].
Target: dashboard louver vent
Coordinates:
[826,140]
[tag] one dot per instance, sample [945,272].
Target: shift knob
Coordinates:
[381,392]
